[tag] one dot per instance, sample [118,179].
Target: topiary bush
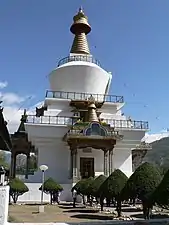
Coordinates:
[141,185]
[82,187]
[52,188]
[95,185]
[78,186]
[161,194]
[17,188]
[111,188]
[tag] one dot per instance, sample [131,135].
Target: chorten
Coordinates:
[82,131]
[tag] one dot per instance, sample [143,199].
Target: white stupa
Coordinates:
[81,131]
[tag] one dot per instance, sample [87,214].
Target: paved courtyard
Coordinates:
[64,213]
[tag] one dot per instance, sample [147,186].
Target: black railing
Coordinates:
[127,124]
[62,120]
[84,96]
[58,120]
[81,58]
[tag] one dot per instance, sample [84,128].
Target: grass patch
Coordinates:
[12,219]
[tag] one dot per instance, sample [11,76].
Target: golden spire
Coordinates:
[92,115]
[80,28]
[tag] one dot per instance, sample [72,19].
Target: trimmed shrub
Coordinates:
[161,194]
[17,188]
[95,185]
[113,185]
[82,187]
[141,185]
[111,188]
[51,187]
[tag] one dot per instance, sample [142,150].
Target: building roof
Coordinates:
[5,139]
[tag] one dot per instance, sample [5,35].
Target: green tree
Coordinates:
[82,187]
[52,188]
[3,160]
[161,194]
[33,163]
[111,188]
[17,188]
[95,185]
[141,185]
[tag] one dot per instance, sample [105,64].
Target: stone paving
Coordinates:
[61,213]
[66,213]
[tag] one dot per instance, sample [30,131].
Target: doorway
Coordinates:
[86,167]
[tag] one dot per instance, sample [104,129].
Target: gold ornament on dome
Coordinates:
[91,98]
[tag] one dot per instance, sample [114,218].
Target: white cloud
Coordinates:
[3,84]
[11,98]
[13,115]
[149,138]
[13,107]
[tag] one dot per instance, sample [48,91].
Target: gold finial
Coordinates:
[91,98]
[80,9]
[80,28]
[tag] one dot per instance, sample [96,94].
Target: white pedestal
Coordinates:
[2,179]
[4,202]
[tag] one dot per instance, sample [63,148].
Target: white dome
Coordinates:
[79,76]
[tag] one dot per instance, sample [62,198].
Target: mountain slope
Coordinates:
[159,153]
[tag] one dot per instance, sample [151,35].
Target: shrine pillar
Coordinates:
[27,165]
[73,164]
[110,161]
[13,165]
[106,171]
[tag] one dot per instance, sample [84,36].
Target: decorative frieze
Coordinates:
[87,150]
[139,153]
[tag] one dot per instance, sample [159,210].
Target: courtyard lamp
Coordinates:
[43,168]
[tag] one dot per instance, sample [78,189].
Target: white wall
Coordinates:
[122,159]
[56,157]
[34,195]
[4,201]
[80,77]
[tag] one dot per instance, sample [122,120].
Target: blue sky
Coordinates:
[129,37]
